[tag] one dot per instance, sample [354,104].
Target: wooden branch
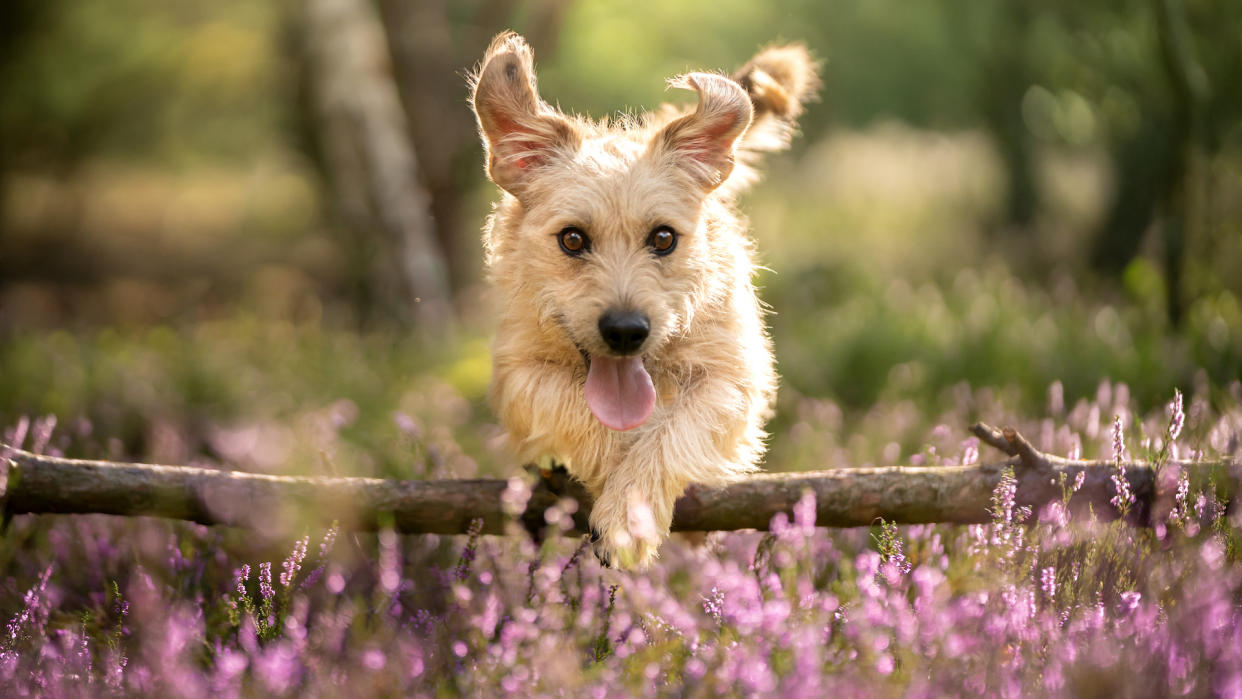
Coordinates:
[845,497]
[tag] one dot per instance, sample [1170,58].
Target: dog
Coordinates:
[631,346]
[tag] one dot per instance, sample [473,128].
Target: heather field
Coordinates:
[1034,603]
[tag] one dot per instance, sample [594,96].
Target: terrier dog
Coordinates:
[631,345]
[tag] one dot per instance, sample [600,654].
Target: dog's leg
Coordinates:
[632,514]
[710,435]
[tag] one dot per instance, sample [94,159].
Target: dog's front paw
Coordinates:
[619,544]
[623,551]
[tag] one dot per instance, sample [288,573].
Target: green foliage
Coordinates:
[403,408]
[141,80]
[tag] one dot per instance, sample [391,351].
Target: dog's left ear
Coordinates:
[703,141]
[520,131]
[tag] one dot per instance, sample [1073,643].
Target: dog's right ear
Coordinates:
[520,132]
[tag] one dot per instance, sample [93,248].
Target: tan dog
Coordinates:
[631,345]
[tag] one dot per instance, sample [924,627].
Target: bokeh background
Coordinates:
[209,213]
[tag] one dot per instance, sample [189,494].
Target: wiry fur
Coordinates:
[708,352]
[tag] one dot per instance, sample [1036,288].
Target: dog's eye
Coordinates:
[573,241]
[662,240]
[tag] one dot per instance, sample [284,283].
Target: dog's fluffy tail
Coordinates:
[779,80]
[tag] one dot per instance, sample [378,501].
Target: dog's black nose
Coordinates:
[624,331]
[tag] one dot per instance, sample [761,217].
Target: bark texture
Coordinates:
[372,164]
[845,497]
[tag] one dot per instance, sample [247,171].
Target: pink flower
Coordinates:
[1177,417]
[265,580]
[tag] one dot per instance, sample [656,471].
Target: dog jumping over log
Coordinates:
[631,345]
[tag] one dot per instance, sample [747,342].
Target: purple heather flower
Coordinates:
[895,562]
[1177,417]
[265,580]
[29,612]
[230,664]
[240,576]
[325,548]
[1048,581]
[373,659]
[713,604]
[389,562]
[1213,554]
[971,453]
[329,538]
[16,436]
[1183,490]
[1119,443]
[407,424]
[1056,398]
[84,649]
[1004,496]
[41,433]
[978,535]
[515,496]
[1057,514]
[292,564]
[120,607]
[804,512]
[1181,504]
[277,667]
[1124,497]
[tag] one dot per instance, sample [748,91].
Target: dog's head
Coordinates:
[614,232]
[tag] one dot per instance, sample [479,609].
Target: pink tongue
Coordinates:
[619,392]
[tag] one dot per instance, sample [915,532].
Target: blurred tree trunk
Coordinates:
[1190,89]
[1007,75]
[432,56]
[1155,169]
[432,86]
[371,164]
[1139,164]
[18,19]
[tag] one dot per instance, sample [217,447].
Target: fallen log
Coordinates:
[844,497]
